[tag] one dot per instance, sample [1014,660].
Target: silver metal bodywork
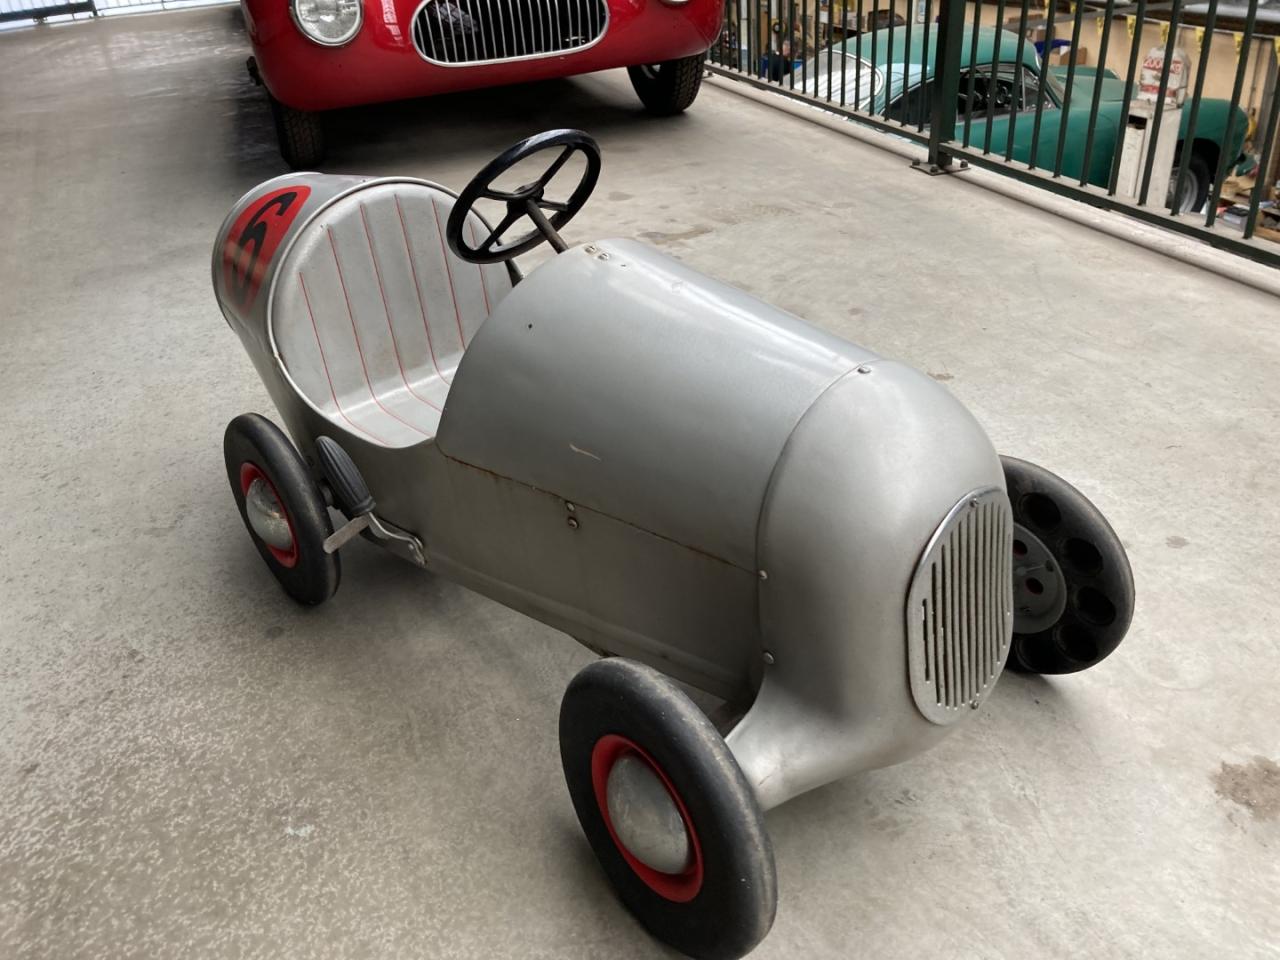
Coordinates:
[657,463]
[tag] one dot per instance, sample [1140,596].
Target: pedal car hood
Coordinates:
[626,382]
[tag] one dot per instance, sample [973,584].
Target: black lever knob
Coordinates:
[350,492]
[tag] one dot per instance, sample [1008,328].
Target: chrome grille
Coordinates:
[456,32]
[960,607]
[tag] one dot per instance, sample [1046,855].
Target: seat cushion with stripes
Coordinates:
[372,311]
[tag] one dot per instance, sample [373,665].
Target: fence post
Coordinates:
[946,80]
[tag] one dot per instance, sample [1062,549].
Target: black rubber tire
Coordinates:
[252,438]
[1100,592]
[1202,173]
[734,907]
[300,135]
[669,87]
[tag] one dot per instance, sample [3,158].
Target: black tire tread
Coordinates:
[675,87]
[300,135]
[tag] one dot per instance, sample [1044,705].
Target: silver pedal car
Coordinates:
[692,483]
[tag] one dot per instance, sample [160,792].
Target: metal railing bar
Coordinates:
[875,58]
[1021,79]
[924,69]
[1188,142]
[1268,254]
[1042,85]
[847,113]
[790,39]
[804,46]
[844,54]
[831,36]
[888,67]
[1071,79]
[1134,52]
[1153,135]
[995,58]
[906,57]
[1264,161]
[857,77]
[1215,193]
[1096,100]
[973,69]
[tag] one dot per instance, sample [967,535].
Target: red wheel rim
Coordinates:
[250,472]
[677,887]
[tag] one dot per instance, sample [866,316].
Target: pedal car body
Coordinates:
[659,464]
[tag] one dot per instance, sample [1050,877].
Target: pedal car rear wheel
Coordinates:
[1073,590]
[282,508]
[669,87]
[666,810]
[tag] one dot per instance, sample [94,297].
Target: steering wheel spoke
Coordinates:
[555,167]
[526,200]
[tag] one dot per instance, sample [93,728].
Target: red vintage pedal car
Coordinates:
[317,55]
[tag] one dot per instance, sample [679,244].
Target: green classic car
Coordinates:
[876,70]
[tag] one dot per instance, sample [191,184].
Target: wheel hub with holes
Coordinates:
[1039,588]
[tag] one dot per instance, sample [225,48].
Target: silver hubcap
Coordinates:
[267,516]
[646,818]
[1039,589]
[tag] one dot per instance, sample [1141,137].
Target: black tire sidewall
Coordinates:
[252,438]
[1055,649]
[734,907]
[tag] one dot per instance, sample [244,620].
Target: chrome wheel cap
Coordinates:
[645,817]
[267,515]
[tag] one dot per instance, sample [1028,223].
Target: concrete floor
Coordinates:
[191,766]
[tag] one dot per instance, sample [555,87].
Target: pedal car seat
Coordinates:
[372,312]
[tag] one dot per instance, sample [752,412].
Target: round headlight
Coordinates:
[330,22]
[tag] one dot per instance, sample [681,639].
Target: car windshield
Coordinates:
[832,71]
[1052,82]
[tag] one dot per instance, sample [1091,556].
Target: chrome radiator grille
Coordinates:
[456,32]
[960,607]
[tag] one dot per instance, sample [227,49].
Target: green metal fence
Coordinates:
[1165,111]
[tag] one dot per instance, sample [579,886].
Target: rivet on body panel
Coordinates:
[864,369]
[573,522]
[768,658]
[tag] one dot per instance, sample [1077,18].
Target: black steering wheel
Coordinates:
[525,201]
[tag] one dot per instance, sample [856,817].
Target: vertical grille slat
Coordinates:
[959,616]
[461,32]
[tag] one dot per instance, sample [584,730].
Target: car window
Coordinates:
[1011,90]
[1000,91]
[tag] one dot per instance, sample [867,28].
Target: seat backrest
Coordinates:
[371,311]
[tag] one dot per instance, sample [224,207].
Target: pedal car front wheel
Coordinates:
[282,508]
[667,811]
[1073,593]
